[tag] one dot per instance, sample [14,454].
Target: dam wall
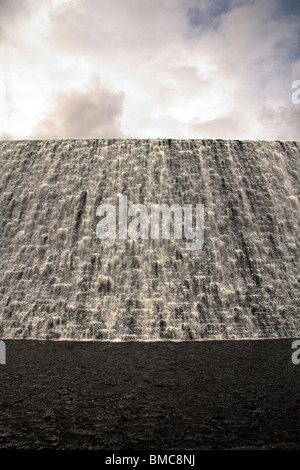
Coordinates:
[60,281]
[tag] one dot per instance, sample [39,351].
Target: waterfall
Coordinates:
[60,281]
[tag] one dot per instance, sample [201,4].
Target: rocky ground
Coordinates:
[156,395]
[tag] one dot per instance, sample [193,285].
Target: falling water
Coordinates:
[59,281]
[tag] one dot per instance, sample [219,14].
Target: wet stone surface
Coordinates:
[59,281]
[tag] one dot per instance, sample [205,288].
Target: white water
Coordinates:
[59,281]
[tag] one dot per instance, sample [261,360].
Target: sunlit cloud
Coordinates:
[93,112]
[168,68]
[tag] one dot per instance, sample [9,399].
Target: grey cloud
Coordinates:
[243,45]
[282,123]
[228,127]
[11,9]
[12,13]
[2,34]
[296,71]
[93,113]
[113,29]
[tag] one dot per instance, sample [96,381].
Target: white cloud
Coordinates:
[184,68]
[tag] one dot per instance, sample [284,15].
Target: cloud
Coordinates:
[6,136]
[11,10]
[94,112]
[12,14]
[116,30]
[186,67]
[227,127]
[280,123]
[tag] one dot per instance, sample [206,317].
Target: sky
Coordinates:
[184,69]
